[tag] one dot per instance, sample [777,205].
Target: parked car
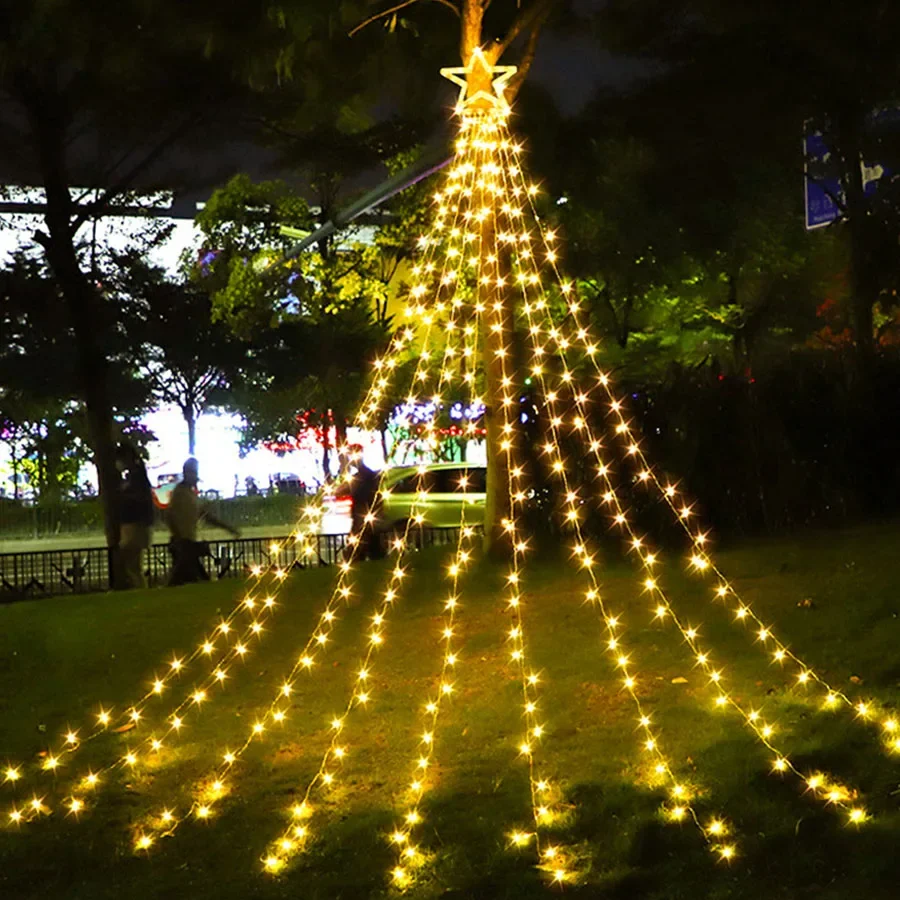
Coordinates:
[448,488]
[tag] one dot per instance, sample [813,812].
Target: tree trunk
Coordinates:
[47,116]
[191,421]
[864,281]
[15,468]
[326,449]
[497,500]
[497,503]
[470,29]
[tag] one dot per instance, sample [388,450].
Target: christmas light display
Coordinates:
[487,267]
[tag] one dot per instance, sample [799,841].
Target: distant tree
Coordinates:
[40,404]
[318,319]
[733,84]
[97,95]
[117,98]
[188,359]
[308,372]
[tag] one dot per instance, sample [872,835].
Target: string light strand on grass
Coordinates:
[551,859]
[681,509]
[216,787]
[681,807]
[297,835]
[403,835]
[133,715]
[835,793]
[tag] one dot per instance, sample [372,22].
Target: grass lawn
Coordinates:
[61,658]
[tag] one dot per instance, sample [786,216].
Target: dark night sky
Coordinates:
[572,66]
[569,64]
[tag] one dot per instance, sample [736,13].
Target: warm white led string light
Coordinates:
[680,806]
[133,715]
[821,785]
[701,560]
[473,193]
[217,786]
[409,855]
[297,835]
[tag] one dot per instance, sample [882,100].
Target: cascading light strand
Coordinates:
[409,856]
[552,858]
[106,719]
[701,561]
[716,829]
[296,836]
[134,713]
[821,785]
[200,695]
[217,785]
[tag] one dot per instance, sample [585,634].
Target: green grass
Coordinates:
[60,658]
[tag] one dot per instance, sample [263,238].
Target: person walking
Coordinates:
[363,502]
[183,514]
[135,514]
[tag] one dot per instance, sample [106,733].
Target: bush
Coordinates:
[797,444]
[20,521]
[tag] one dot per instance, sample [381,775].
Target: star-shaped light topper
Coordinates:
[472,77]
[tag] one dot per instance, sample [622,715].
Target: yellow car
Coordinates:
[440,495]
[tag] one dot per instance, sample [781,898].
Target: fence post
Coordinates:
[110,563]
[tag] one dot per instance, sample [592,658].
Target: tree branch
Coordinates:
[386,12]
[527,58]
[528,19]
[126,182]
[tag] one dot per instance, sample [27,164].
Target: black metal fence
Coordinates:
[47,573]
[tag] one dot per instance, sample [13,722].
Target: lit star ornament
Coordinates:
[473,80]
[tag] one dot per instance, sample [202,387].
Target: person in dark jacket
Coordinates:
[364,500]
[135,514]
